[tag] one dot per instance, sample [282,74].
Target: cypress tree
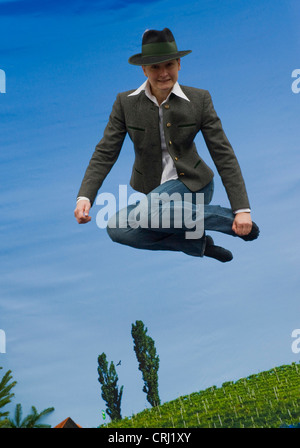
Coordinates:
[108,379]
[148,361]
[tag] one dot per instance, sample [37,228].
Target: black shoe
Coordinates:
[219,253]
[253,234]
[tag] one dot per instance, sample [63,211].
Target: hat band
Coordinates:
[159,48]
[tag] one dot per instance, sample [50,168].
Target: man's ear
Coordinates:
[179,64]
[144,70]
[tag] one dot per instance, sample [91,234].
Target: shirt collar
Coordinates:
[145,86]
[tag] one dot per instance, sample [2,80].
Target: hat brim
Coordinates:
[139,59]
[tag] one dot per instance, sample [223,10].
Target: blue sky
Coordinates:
[67,292]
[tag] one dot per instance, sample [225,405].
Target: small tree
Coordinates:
[108,379]
[148,361]
[5,394]
[31,421]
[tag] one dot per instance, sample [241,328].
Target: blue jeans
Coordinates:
[122,228]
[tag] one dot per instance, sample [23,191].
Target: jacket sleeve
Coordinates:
[223,156]
[106,153]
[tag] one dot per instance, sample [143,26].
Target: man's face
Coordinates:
[162,77]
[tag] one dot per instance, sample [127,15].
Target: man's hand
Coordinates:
[242,223]
[81,211]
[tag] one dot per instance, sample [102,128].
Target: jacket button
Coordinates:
[169,125]
[170,143]
[167,106]
[176,158]
[181,174]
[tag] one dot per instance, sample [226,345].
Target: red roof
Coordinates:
[67,423]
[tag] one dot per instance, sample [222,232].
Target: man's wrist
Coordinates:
[82,198]
[242,210]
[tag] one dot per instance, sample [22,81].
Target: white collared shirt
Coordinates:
[168,168]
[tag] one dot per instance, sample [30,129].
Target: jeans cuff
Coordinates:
[203,245]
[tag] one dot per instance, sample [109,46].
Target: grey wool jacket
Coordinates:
[182,120]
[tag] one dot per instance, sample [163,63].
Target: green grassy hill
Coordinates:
[267,399]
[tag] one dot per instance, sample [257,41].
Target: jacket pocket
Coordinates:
[137,135]
[134,128]
[186,125]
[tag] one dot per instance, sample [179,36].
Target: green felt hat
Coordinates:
[157,47]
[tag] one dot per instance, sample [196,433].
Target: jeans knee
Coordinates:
[118,235]
[112,232]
